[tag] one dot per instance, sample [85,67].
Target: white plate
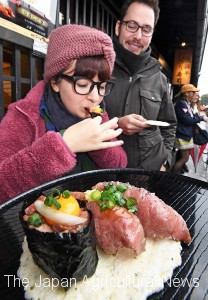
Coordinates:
[157,123]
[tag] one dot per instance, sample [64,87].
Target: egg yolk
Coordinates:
[97,109]
[69,206]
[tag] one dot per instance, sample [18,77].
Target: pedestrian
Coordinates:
[50,132]
[141,91]
[187,116]
[195,103]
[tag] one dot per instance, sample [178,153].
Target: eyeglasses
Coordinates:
[84,86]
[133,27]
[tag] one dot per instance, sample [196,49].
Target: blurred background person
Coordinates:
[195,103]
[187,115]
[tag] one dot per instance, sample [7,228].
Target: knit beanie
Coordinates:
[70,42]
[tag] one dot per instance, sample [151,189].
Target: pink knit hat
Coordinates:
[70,42]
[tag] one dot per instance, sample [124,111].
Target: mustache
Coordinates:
[136,42]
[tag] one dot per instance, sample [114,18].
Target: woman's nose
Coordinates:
[94,95]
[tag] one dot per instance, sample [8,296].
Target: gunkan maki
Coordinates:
[60,236]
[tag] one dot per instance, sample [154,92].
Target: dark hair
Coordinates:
[154,4]
[89,66]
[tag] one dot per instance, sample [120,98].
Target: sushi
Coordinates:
[126,215]
[158,219]
[96,111]
[116,224]
[66,249]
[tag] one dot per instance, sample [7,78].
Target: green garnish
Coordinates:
[131,201]
[133,209]
[114,195]
[121,188]
[55,193]
[35,220]
[56,204]
[66,194]
[95,195]
[49,200]
[110,204]
[52,198]
[103,207]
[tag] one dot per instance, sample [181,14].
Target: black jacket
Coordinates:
[145,93]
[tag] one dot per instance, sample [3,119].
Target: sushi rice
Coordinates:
[122,276]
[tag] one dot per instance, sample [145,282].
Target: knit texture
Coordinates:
[70,42]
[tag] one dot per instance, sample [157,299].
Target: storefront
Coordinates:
[24,29]
[23,32]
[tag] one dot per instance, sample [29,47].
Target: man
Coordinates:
[141,91]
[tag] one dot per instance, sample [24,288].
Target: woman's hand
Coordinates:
[132,123]
[90,134]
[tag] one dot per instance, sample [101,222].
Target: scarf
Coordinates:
[56,111]
[57,118]
[131,61]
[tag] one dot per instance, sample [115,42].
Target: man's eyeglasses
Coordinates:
[133,27]
[84,86]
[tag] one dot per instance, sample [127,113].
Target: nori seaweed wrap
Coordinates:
[63,255]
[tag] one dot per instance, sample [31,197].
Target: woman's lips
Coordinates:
[94,112]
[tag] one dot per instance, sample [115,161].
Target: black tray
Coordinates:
[186,195]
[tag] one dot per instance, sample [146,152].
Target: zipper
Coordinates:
[126,101]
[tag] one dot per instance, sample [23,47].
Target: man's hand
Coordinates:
[163,168]
[132,123]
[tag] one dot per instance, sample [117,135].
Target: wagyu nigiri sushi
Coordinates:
[158,219]
[117,228]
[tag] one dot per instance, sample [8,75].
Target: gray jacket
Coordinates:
[145,93]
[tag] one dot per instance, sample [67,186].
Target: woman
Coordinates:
[186,117]
[50,132]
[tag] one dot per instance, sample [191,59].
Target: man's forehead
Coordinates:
[140,13]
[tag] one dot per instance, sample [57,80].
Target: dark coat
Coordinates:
[186,120]
[146,93]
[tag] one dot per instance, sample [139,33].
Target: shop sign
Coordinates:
[182,66]
[19,16]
